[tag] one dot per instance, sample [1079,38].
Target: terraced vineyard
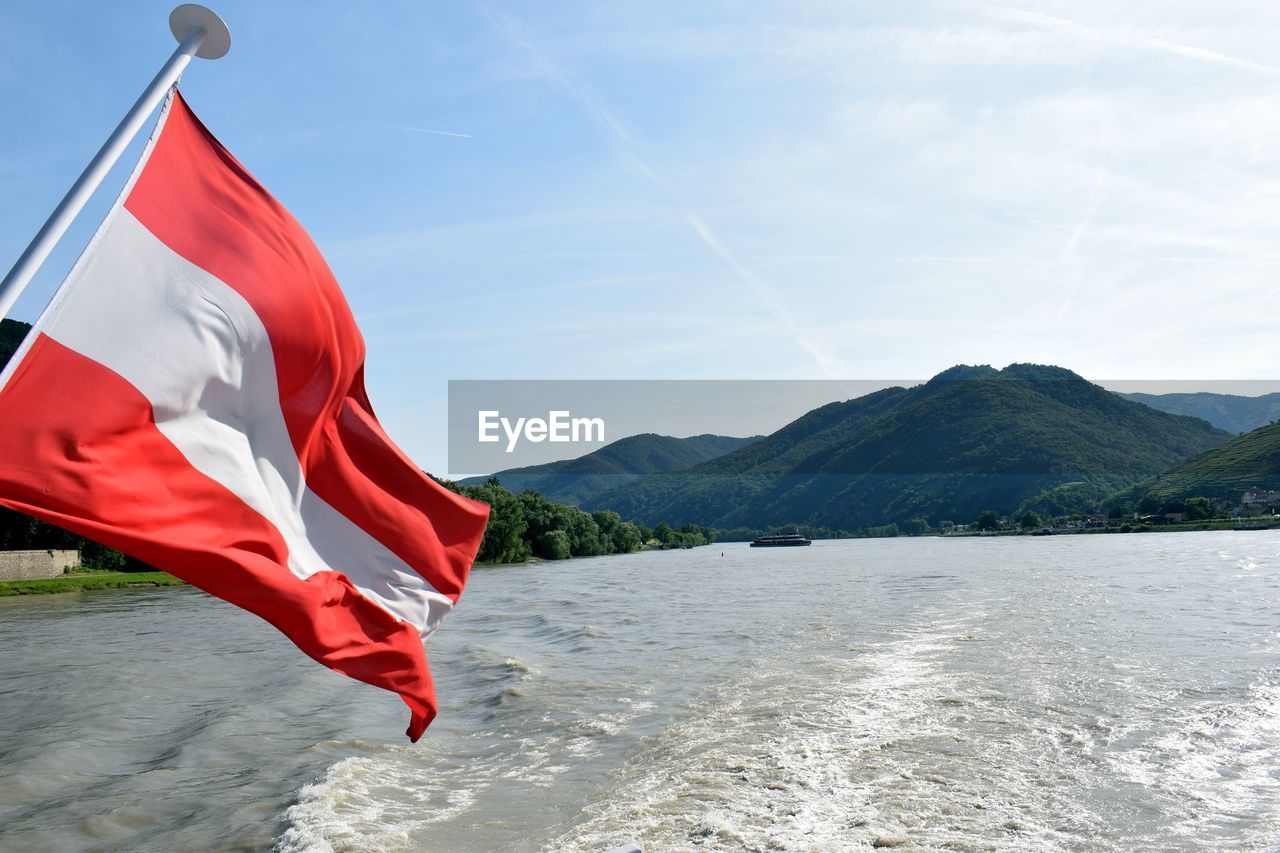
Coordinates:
[1252,459]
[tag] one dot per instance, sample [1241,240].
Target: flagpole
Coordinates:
[200,32]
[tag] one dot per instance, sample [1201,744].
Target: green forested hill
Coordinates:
[1232,412]
[972,438]
[823,427]
[1252,459]
[576,481]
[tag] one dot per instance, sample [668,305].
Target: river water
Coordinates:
[1072,692]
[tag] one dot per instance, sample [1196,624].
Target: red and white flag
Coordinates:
[194,397]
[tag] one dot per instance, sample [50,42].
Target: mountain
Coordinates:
[971,438]
[1252,459]
[1231,412]
[11,334]
[576,481]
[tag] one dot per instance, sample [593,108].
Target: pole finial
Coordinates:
[189,16]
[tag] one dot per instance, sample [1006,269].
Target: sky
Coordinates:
[717,190]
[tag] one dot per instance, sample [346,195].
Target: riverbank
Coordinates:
[88,580]
[81,581]
[1208,525]
[126,580]
[531,561]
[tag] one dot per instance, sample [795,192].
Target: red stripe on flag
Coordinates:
[200,202]
[101,468]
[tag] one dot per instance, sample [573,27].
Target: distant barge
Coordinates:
[783,540]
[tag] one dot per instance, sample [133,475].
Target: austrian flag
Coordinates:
[194,397]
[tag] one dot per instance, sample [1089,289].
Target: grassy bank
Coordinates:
[91,580]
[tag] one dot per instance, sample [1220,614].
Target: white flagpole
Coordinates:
[199,32]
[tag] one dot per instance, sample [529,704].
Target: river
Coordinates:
[1104,692]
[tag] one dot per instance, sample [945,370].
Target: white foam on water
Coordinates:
[371,803]
[834,753]
[1215,767]
[396,798]
[768,759]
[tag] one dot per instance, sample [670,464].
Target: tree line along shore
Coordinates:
[521,527]
[525,527]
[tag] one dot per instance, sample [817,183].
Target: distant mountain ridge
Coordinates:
[971,438]
[576,481]
[1232,412]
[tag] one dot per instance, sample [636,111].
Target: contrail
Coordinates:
[1133,40]
[1099,193]
[419,129]
[623,139]
[767,294]
[1073,289]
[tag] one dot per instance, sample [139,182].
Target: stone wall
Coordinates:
[30,565]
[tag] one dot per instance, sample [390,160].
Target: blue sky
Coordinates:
[719,190]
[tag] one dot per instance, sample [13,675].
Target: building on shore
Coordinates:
[1258,501]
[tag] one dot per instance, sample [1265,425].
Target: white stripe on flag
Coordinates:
[198,351]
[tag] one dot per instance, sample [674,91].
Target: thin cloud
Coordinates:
[1130,39]
[480,297]
[419,129]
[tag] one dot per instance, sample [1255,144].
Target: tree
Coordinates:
[520,526]
[1150,503]
[1119,511]
[584,535]
[538,515]
[554,545]
[1198,509]
[607,522]
[504,537]
[102,558]
[914,527]
[1030,521]
[627,538]
[988,520]
[691,535]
